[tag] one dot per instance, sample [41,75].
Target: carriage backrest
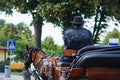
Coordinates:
[100,59]
[103,64]
[96,62]
[70,52]
[93,48]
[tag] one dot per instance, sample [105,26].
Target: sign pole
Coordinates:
[10,56]
[11,45]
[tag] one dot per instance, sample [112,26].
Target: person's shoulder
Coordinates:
[69,30]
[85,29]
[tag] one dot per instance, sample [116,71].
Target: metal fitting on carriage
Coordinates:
[46,62]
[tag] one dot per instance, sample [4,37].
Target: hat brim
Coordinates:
[77,22]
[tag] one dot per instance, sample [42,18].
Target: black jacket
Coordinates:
[77,38]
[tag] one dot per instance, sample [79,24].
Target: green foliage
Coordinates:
[50,47]
[21,48]
[52,13]
[19,33]
[2,22]
[59,12]
[6,6]
[3,63]
[24,38]
[11,32]
[99,24]
[8,32]
[25,6]
[114,34]
[23,30]
[112,8]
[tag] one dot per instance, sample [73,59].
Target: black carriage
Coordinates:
[88,63]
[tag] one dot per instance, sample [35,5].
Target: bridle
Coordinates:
[28,55]
[35,52]
[34,55]
[34,58]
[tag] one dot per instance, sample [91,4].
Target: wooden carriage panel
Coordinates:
[76,72]
[70,52]
[96,73]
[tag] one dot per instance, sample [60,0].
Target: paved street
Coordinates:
[12,77]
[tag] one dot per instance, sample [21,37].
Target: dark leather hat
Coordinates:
[78,20]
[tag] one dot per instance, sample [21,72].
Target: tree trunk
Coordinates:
[98,24]
[38,22]
[95,26]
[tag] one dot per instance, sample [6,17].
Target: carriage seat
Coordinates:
[72,52]
[68,56]
[97,48]
[100,59]
[69,52]
[101,65]
[63,64]
[98,62]
[66,60]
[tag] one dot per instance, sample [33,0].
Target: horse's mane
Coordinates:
[33,49]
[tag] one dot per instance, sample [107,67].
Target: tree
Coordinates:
[25,6]
[61,12]
[112,7]
[2,22]
[103,13]
[50,10]
[99,23]
[21,47]
[113,34]
[23,29]
[101,9]
[19,33]
[50,47]
[14,32]
[8,31]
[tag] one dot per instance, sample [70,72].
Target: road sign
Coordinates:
[113,41]
[11,45]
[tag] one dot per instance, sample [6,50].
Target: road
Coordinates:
[12,77]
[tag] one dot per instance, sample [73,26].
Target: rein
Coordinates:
[40,62]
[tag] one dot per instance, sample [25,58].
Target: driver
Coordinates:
[77,37]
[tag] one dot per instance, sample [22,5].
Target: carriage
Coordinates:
[88,63]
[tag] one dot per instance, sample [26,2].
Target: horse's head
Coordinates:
[33,55]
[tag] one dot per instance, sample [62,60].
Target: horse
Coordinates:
[90,63]
[41,61]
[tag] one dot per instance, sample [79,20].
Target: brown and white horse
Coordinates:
[41,61]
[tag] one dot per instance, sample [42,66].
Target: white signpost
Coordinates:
[11,45]
[113,41]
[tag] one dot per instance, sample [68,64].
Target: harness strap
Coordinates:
[35,56]
[40,62]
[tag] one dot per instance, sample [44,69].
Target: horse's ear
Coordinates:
[27,48]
